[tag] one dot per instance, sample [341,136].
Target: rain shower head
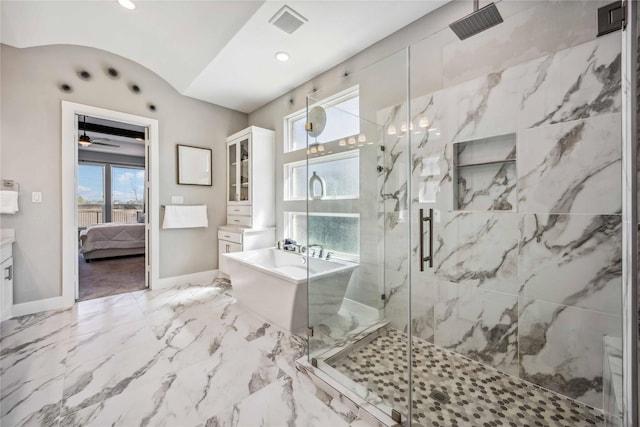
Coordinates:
[477,21]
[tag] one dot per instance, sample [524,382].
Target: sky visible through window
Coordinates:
[342,121]
[127,184]
[90,183]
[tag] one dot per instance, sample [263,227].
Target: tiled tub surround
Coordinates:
[477,395]
[187,356]
[531,290]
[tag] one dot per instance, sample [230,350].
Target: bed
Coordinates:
[112,240]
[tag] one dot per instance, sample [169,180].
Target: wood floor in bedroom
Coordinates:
[110,276]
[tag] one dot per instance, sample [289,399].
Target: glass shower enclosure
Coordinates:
[475,275]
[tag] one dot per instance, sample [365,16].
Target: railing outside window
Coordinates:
[90,214]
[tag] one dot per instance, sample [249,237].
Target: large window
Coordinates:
[340,173]
[91,208]
[343,120]
[109,193]
[127,193]
[337,233]
[334,218]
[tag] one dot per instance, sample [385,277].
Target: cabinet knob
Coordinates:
[9,271]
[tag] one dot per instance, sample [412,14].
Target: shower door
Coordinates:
[357,214]
[489,224]
[516,185]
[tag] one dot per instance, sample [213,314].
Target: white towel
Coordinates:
[8,202]
[177,216]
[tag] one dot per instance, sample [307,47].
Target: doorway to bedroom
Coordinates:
[111,207]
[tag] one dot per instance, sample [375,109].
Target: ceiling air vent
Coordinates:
[287,19]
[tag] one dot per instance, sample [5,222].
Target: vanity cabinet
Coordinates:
[250,193]
[6,294]
[6,269]
[251,178]
[238,239]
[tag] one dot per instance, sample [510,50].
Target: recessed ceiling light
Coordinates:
[127,4]
[282,56]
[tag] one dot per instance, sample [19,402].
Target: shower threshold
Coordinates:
[449,389]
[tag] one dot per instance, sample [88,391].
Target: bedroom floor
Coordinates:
[111,276]
[186,356]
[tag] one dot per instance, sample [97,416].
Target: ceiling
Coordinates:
[125,145]
[217,51]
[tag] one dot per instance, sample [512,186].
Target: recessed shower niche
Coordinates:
[485,174]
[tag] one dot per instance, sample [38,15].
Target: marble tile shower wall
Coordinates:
[527,277]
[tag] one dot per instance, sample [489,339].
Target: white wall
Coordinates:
[30,154]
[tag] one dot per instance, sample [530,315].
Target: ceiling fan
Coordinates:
[85,141]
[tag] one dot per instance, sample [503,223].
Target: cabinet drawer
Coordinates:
[228,247]
[239,220]
[225,247]
[239,210]
[230,237]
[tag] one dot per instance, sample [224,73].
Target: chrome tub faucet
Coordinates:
[314,252]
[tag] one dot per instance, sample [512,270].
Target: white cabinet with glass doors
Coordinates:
[250,178]
[250,193]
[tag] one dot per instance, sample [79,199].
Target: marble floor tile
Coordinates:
[249,327]
[359,423]
[184,356]
[97,380]
[84,323]
[166,316]
[280,404]
[33,402]
[105,303]
[159,402]
[235,371]
[35,328]
[157,299]
[281,348]
[167,311]
[84,348]
[43,359]
[194,335]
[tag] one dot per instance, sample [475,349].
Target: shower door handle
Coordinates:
[423,219]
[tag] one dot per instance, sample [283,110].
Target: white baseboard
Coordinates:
[31,307]
[57,303]
[200,277]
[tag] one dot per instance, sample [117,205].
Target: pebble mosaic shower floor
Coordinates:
[474,394]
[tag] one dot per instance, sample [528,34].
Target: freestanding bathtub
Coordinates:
[273,284]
